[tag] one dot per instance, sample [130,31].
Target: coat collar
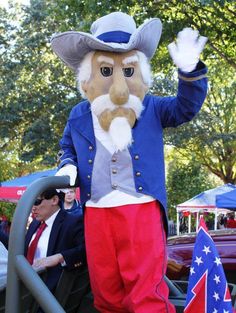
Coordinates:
[55,231]
[81,121]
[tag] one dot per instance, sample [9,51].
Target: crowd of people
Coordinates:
[227,221]
[224,221]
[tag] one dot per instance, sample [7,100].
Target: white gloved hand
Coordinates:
[187,49]
[68,170]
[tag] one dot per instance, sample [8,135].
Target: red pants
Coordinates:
[127,258]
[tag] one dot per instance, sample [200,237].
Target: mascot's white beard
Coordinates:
[120,133]
[120,130]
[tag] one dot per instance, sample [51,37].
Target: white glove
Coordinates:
[68,170]
[187,49]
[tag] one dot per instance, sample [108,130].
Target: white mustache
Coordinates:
[102,103]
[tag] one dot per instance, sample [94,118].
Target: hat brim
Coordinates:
[71,46]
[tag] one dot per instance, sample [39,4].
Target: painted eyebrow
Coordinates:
[131,59]
[103,58]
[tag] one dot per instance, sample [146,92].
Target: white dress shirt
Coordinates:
[42,247]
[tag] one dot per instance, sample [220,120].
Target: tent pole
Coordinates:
[189,223]
[197,221]
[177,223]
[216,215]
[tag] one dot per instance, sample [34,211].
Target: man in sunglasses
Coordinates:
[55,239]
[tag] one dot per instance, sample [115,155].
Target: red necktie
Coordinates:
[32,247]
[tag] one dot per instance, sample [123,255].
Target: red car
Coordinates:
[180,250]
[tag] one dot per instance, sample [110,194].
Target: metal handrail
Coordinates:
[18,266]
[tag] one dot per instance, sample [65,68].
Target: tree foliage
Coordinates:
[211,136]
[185,179]
[38,91]
[213,19]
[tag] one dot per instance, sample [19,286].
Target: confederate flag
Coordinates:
[207,289]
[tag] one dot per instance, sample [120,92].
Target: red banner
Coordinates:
[11,194]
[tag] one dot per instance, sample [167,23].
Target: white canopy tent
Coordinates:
[203,202]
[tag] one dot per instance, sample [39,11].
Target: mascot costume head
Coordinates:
[112,66]
[113,142]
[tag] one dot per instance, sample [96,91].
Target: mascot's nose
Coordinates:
[119,91]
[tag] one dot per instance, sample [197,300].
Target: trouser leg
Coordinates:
[141,246]
[126,249]
[106,282]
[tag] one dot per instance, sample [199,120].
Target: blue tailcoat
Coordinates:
[79,145]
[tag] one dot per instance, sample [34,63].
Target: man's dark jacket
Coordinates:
[67,238]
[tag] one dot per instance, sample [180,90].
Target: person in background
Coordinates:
[5,225]
[222,220]
[70,203]
[231,222]
[4,238]
[3,263]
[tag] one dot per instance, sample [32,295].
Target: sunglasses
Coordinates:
[38,202]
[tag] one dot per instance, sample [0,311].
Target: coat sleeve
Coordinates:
[192,91]
[76,254]
[67,152]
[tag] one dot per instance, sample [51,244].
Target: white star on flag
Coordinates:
[216,296]
[215,311]
[217,279]
[198,260]
[206,250]
[217,261]
[192,270]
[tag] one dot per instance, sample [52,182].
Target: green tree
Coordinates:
[37,94]
[211,136]
[185,179]
[213,19]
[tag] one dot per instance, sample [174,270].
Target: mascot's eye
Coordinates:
[128,71]
[106,71]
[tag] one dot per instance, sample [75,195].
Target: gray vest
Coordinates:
[111,172]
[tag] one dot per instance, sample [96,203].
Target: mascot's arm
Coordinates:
[192,88]
[68,166]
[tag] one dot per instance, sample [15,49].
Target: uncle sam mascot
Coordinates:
[113,142]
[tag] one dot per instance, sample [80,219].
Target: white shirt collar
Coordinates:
[52,218]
